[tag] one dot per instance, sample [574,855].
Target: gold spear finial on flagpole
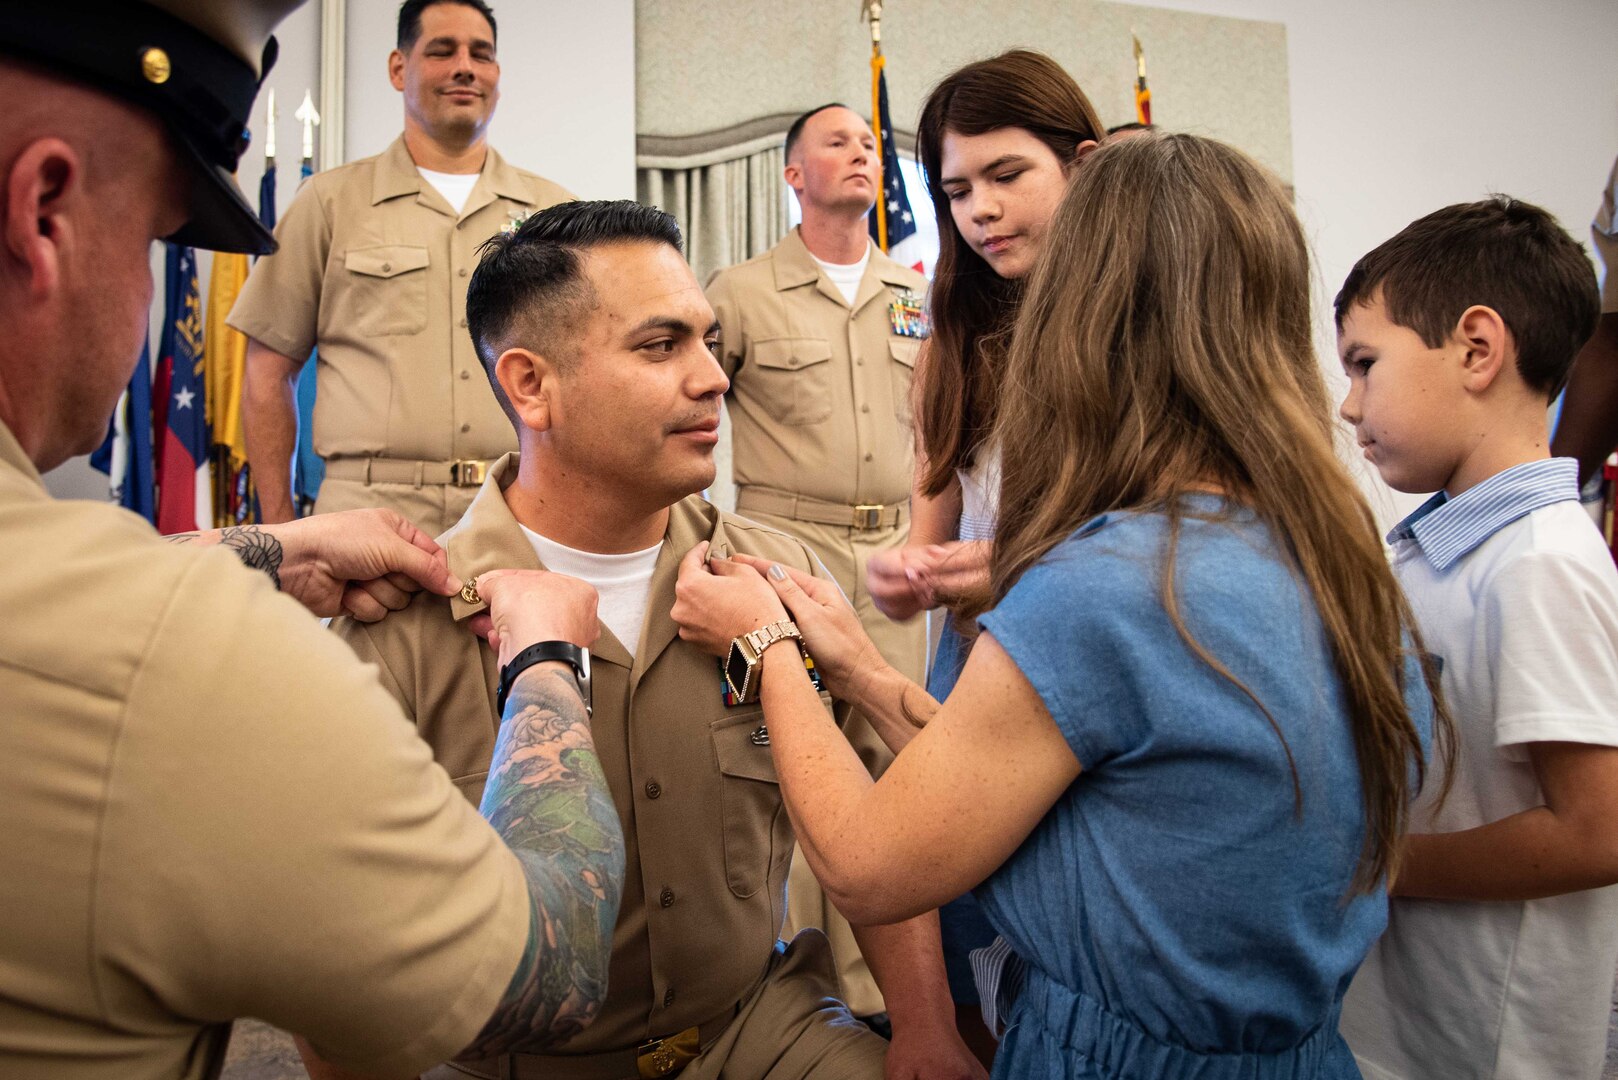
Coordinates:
[306,113]
[269,125]
[871,11]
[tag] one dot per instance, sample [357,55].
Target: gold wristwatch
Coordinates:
[744,664]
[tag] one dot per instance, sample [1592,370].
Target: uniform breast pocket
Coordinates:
[903,351]
[386,289]
[758,836]
[792,379]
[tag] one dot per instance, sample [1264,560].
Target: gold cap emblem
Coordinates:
[154,64]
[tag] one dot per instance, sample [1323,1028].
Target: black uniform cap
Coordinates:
[197,64]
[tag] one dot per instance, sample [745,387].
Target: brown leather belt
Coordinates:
[863,517]
[466,472]
[651,1060]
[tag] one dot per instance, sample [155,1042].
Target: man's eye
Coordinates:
[664,346]
[713,346]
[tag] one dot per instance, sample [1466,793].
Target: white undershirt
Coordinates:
[846,276]
[455,187]
[623,582]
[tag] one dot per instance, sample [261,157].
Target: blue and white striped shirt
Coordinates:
[1447,529]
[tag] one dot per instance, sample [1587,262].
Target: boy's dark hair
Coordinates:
[796,130]
[530,281]
[1133,125]
[1502,253]
[410,19]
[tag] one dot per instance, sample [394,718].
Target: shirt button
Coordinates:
[860,362]
[653,789]
[465,428]
[865,408]
[466,374]
[461,271]
[463,324]
[386,267]
[868,457]
[666,897]
[668,997]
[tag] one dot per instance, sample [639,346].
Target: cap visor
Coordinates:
[221,219]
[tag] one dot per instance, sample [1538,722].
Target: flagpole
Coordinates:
[872,11]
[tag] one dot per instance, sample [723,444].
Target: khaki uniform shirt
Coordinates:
[209,810]
[1604,233]
[705,828]
[373,268]
[819,399]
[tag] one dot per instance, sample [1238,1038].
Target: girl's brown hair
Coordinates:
[1165,346]
[972,306]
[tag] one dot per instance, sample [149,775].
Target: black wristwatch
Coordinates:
[573,654]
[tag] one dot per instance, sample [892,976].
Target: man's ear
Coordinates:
[44,185]
[1488,346]
[396,64]
[529,381]
[1080,152]
[793,175]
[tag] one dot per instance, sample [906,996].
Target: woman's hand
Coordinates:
[832,633]
[896,585]
[717,601]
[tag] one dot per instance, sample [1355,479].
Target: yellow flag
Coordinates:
[226,363]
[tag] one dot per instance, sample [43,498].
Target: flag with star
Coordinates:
[184,492]
[892,223]
[126,455]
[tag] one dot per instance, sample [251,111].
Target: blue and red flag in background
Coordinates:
[183,490]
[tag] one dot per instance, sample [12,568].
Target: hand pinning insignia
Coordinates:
[469,591]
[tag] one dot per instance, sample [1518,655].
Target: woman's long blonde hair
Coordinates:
[1165,346]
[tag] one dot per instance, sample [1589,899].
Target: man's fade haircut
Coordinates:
[795,132]
[410,20]
[1500,252]
[530,282]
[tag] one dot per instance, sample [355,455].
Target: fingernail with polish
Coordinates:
[777,573]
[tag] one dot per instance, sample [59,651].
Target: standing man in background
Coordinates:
[1588,426]
[372,269]
[819,336]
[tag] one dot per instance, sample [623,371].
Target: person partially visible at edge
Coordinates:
[999,141]
[1456,335]
[600,344]
[1587,427]
[819,337]
[1177,764]
[208,808]
[374,260]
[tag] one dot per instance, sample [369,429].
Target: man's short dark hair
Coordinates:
[796,130]
[410,19]
[530,283]
[1502,253]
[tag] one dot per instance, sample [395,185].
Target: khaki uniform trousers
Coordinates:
[432,508]
[791,1028]
[846,553]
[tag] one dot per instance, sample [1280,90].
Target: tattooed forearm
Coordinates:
[548,798]
[257,549]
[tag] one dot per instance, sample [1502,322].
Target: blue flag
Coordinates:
[183,498]
[308,469]
[894,205]
[126,455]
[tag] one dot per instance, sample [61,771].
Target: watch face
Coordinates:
[736,671]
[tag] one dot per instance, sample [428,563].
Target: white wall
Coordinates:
[1400,107]
[567,89]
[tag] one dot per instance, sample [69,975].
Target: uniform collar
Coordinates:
[12,459]
[397,175]
[488,538]
[795,267]
[1447,529]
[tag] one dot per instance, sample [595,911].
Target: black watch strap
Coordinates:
[566,651]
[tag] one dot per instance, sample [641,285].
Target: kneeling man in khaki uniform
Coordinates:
[601,346]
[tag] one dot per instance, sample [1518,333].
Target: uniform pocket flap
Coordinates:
[904,350]
[387,261]
[791,353]
[742,746]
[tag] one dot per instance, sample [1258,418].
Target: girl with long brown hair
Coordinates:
[1178,759]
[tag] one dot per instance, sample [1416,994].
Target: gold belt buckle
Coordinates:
[467,472]
[868,516]
[667,1056]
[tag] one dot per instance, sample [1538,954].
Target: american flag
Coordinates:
[893,211]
